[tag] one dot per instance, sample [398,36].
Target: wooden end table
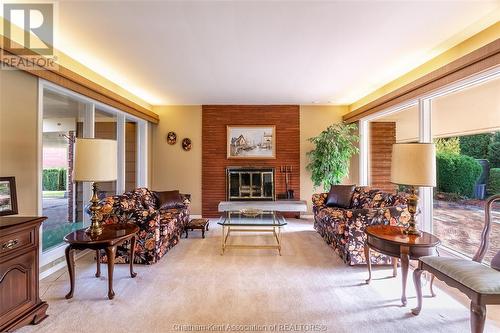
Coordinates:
[112,236]
[392,241]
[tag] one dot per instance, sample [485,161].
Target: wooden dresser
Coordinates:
[20,303]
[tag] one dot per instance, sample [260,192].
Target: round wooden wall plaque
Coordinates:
[171,138]
[186,144]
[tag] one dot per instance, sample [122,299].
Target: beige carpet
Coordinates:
[194,286]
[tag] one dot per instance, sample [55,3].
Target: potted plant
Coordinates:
[330,159]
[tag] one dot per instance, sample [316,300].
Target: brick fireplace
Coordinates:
[215,163]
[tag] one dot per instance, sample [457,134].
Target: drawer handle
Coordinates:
[10,244]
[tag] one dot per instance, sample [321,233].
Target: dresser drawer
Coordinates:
[17,240]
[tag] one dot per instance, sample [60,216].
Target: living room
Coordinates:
[231,165]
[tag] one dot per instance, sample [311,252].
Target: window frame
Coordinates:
[425,133]
[57,252]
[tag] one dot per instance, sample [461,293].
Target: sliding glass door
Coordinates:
[400,126]
[463,120]
[63,121]
[466,130]
[65,116]
[105,127]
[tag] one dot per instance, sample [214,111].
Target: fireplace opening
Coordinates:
[249,183]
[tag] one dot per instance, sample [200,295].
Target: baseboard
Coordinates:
[61,265]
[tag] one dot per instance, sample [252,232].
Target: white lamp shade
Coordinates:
[95,160]
[414,164]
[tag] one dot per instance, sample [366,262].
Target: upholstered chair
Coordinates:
[479,282]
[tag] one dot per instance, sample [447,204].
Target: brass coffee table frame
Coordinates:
[228,227]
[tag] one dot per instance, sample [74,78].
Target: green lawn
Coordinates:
[53,194]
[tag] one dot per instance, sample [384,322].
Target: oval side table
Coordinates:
[392,241]
[112,236]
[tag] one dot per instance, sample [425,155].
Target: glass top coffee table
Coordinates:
[254,221]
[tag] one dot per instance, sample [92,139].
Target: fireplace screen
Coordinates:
[250,184]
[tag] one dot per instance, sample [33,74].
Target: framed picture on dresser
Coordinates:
[8,198]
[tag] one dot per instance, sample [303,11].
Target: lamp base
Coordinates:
[412,209]
[412,230]
[95,228]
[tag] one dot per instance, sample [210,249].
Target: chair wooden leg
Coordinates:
[477,317]
[417,274]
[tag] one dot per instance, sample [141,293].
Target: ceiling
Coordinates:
[258,52]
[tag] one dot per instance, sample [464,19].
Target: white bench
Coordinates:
[294,206]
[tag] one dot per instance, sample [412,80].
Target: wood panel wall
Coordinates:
[215,118]
[382,137]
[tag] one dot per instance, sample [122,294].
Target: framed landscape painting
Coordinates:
[251,142]
[8,199]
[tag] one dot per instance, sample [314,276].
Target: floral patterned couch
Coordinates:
[343,229]
[159,230]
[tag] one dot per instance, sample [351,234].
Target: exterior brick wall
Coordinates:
[382,137]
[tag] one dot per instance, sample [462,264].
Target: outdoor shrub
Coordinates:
[50,179]
[54,179]
[494,153]
[457,173]
[475,145]
[448,145]
[62,179]
[494,181]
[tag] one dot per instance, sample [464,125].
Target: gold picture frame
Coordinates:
[251,141]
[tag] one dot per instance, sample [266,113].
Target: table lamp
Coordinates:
[413,164]
[95,161]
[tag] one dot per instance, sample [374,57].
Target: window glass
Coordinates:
[466,130]
[63,121]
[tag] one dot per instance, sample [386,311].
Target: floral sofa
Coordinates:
[343,229]
[159,229]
